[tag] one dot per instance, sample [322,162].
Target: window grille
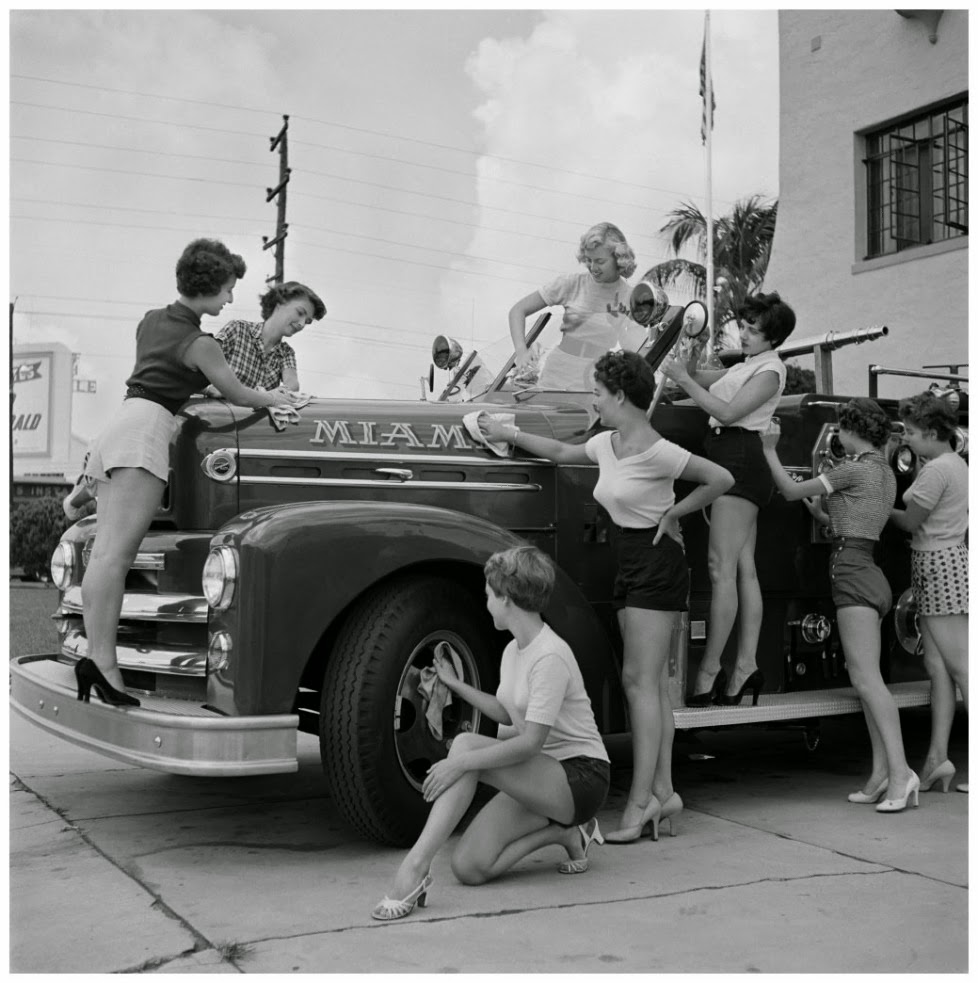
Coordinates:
[917,180]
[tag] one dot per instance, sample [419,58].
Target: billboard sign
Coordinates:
[30,427]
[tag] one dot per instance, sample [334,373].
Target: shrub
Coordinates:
[799,380]
[35,529]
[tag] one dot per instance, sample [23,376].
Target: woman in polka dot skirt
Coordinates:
[937,516]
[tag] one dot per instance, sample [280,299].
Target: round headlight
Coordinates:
[62,566]
[219,651]
[220,577]
[815,628]
[904,460]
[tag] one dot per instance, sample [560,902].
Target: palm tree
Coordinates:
[741,250]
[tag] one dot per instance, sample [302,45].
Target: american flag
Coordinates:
[713,101]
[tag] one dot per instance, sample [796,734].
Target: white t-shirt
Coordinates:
[636,490]
[542,684]
[728,385]
[942,487]
[593,312]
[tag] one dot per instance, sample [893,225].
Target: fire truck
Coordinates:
[300,579]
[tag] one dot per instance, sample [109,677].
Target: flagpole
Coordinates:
[708,107]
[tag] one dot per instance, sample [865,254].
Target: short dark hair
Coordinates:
[524,574]
[629,373]
[775,319]
[205,266]
[867,419]
[928,412]
[282,293]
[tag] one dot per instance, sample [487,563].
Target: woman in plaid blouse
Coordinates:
[257,352]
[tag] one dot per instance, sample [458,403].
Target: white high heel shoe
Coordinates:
[862,798]
[898,805]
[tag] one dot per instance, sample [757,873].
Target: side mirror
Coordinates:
[696,319]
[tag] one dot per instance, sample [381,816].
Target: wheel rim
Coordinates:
[417,748]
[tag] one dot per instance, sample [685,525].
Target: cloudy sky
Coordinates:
[444,164]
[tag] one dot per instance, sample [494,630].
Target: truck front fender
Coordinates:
[303,565]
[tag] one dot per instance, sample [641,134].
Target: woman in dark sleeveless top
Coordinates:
[130,458]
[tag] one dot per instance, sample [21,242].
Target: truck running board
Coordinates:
[179,737]
[796,706]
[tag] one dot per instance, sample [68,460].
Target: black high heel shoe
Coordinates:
[87,674]
[712,694]
[755,682]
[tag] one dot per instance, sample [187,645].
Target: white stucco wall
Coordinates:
[870,66]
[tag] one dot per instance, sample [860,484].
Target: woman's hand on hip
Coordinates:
[669,526]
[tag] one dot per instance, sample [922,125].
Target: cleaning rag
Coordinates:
[437,694]
[499,447]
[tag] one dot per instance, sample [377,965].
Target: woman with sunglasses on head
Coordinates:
[741,401]
[636,471]
[860,492]
[937,515]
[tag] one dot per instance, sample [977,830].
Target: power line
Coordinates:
[118,225]
[116,170]
[131,208]
[139,150]
[358,129]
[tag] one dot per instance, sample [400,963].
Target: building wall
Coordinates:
[869,67]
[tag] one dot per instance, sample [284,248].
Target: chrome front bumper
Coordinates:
[176,736]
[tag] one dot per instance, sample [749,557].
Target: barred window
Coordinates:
[917,180]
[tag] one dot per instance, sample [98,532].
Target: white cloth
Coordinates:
[435,692]
[542,684]
[636,490]
[732,382]
[942,487]
[501,448]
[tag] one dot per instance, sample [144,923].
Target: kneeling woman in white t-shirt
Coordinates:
[548,761]
[637,468]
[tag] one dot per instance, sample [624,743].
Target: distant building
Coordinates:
[873,199]
[45,451]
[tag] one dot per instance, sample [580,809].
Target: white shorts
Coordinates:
[138,437]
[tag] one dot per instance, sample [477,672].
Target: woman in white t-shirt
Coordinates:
[637,468]
[937,516]
[596,311]
[548,760]
[741,401]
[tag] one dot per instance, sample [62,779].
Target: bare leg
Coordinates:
[751,612]
[647,635]
[942,700]
[879,769]
[731,522]
[860,631]
[126,506]
[539,785]
[662,782]
[950,635]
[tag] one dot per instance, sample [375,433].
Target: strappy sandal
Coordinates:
[389,910]
[580,866]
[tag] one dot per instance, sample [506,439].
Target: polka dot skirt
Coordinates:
[939,579]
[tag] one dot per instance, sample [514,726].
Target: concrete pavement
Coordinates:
[116,868]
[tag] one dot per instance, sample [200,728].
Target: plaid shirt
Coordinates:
[242,346]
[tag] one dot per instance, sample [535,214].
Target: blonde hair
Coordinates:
[524,574]
[606,234]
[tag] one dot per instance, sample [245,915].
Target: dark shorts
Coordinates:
[741,453]
[856,579]
[652,577]
[589,780]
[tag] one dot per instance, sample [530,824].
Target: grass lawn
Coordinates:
[31,628]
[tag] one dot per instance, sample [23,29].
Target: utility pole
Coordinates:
[280,142]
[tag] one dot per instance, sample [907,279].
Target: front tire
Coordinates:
[375,742]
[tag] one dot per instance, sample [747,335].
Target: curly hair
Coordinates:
[928,412]
[282,293]
[205,266]
[775,319]
[524,574]
[865,418]
[629,373]
[606,234]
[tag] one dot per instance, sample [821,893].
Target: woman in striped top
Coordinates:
[860,492]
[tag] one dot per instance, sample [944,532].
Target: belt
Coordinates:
[719,430]
[581,349]
[853,542]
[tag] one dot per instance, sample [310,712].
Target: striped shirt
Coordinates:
[861,492]
[255,368]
